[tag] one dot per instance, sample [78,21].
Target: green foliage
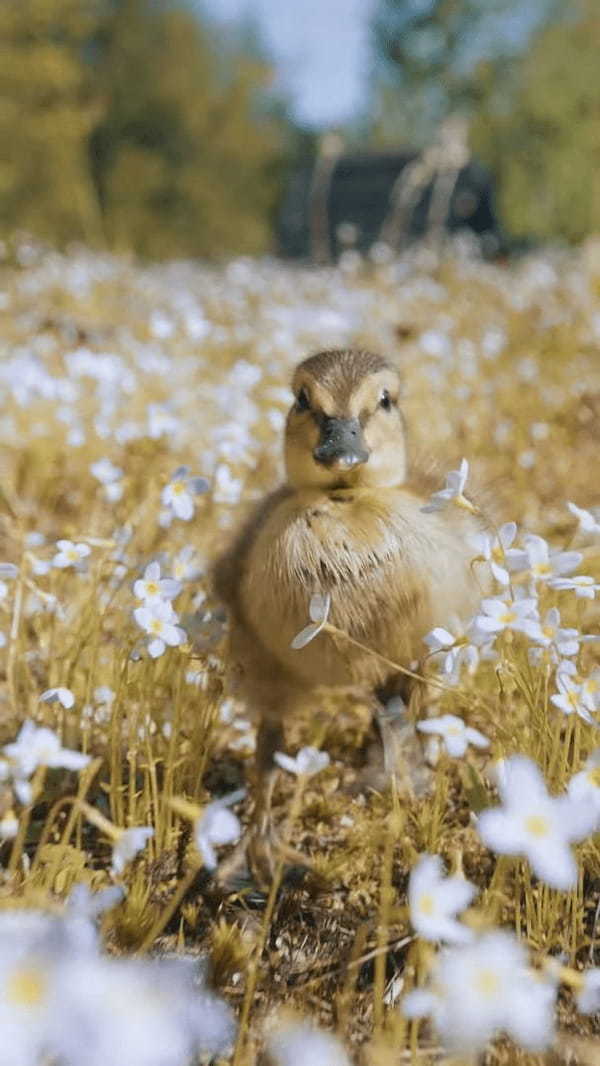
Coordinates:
[543,139]
[46,115]
[127,122]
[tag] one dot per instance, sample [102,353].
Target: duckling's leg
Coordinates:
[260,848]
[398,754]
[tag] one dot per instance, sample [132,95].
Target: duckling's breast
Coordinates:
[392,574]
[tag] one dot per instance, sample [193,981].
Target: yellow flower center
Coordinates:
[541,569]
[156,626]
[72,555]
[537,825]
[178,487]
[487,983]
[591,685]
[152,588]
[507,617]
[549,631]
[453,731]
[427,903]
[26,988]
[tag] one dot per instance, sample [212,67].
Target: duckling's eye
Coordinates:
[385,400]
[302,400]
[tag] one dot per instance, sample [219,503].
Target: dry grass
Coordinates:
[502,365]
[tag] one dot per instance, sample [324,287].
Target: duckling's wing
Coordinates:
[227,569]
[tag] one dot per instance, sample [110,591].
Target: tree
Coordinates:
[427,52]
[46,114]
[129,122]
[543,138]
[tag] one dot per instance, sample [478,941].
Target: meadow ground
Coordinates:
[112,378]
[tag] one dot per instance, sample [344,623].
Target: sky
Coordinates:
[320,49]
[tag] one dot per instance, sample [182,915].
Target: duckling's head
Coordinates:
[345,428]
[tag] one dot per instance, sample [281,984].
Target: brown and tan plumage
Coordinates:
[348,523]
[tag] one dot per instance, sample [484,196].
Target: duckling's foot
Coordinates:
[397,754]
[257,855]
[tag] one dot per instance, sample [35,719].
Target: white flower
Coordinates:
[318,610]
[498,615]
[493,549]
[8,825]
[295,1043]
[70,554]
[126,847]
[584,787]
[457,736]
[542,563]
[2,639]
[435,900]
[584,586]
[566,641]
[453,491]
[588,997]
[590,690]
[179,494]
[307,762]
[38,746]
[217,825]
[534,824]
[570,698]
[587,522]
[105,471]
[483,989]
[153,589]
[132,1012]
[8,570]
[160,622]
[458,650]
[186,564]
[64,696]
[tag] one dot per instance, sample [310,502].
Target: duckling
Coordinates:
[348,523]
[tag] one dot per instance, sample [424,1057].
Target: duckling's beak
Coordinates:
[341,443]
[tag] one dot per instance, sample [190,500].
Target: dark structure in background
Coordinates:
[347,200]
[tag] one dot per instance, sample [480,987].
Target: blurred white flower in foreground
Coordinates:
[318,611]
[453,491]
[588,996]
[151,588]
[587,521]
[456,735]
[38,746]
[70,554]
[493,549]
[536,825]
[217,825]
[585,785]
[128,843]
[483,989]
[307,762]
[435,900]
[129,1012]
[160,622]
[179,494]
[295,1043]
[64,696]
[8,570]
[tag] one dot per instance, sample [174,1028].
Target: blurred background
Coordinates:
[176,128]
